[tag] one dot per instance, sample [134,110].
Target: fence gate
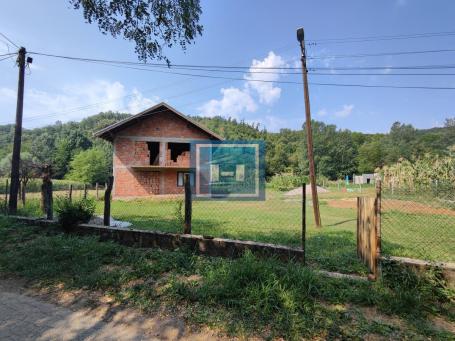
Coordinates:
[368,231]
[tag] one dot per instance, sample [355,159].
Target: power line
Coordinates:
[379,38]
[6,58]
[242,67]
[381,54]
[4,36]
[280,82]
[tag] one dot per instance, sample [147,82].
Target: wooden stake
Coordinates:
[188,205]
[107,202]
[85,191]
[314,192]
[97,193]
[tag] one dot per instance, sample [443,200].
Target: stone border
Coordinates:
[218,247]
[448,269]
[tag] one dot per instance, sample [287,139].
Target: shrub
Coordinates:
[285,182]
[71,213]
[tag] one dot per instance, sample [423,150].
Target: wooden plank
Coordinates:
[367,241]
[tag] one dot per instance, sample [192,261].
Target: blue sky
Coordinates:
[260,33]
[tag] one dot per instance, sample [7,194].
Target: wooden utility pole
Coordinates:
[304,222]
[15,161]
[309,134]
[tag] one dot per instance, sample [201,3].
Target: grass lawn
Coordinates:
[243,297]
[278,220]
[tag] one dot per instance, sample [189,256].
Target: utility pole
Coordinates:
[309,135]
[15,161]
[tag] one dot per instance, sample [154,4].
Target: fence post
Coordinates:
[70,193]
[188,205]
[50,201]
[85,191]
[378,208]
[304,222]
[46,193]
[107,202]
[97,194]
[6,197]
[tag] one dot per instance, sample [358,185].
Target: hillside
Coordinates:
[337,152]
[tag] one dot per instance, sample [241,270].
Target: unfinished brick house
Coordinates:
[152,151]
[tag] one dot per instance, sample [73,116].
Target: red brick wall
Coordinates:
[165,124]
[127,153]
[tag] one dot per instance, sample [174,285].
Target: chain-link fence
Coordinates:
[419,223]
[276,220]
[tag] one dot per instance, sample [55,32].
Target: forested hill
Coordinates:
[337,152]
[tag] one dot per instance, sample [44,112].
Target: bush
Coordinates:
[71,213]
[285,182]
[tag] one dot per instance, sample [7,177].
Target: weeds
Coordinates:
[71,213]
[243,297]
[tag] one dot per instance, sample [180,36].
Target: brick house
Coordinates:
[152,151]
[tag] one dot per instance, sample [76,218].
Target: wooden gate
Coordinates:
[369,231]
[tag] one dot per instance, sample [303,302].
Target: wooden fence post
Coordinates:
[70,193]
[378,209]
[6,197]
[188,205]
[85,191]
[304,222]
[107,202]
[46,193]
[50,201]
[97,193]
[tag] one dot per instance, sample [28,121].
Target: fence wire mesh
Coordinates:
[419,223]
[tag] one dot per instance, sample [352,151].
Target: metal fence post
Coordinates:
[188,205]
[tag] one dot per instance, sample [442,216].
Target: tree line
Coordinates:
[76,154]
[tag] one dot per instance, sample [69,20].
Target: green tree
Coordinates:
[150,24]
[66,149]
[27,170]
[371,155]
[89,166]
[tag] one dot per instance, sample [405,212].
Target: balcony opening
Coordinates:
[178,149]
[154,151]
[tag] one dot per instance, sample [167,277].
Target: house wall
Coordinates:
[130,149]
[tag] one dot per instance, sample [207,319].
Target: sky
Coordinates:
[246,33]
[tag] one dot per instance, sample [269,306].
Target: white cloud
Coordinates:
[74,102]
[233,102]
[138,102]
[322,112]
[346,111]
[237,100]
[267,92]
[6,94]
